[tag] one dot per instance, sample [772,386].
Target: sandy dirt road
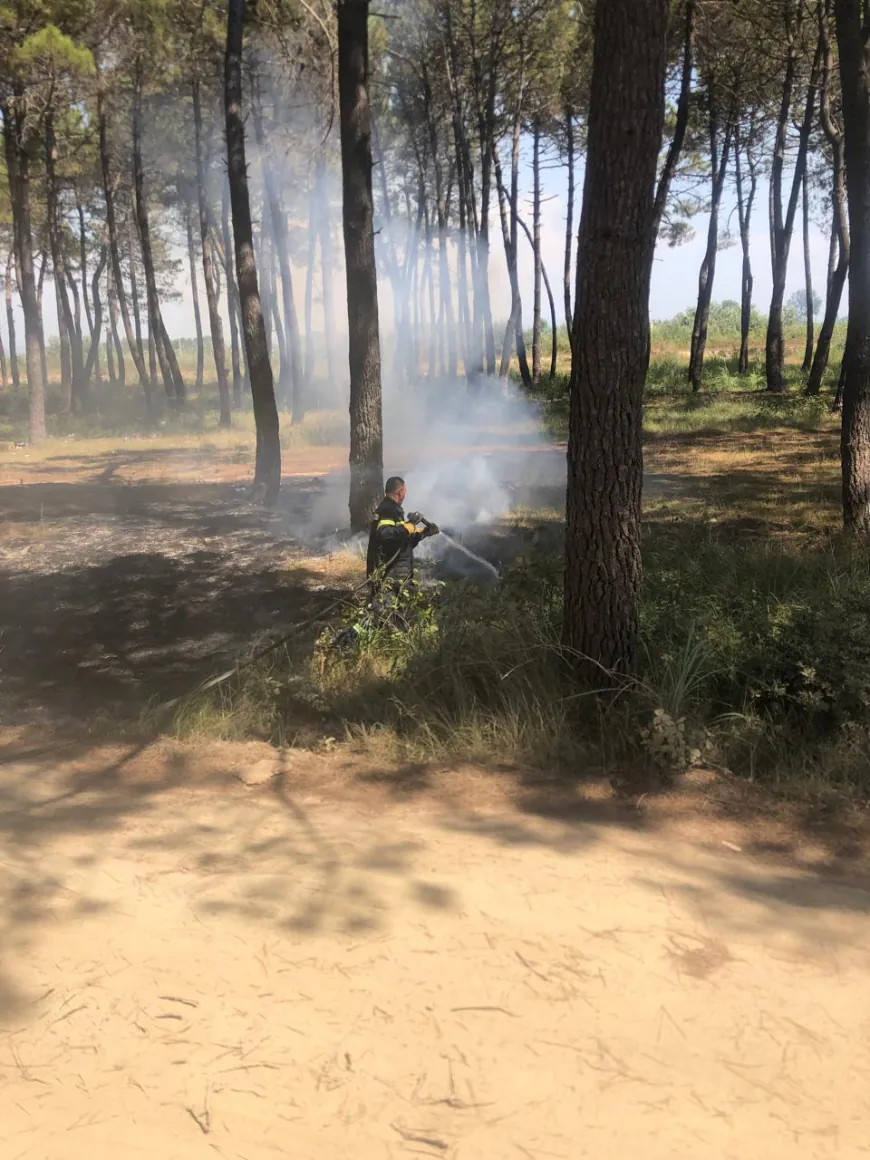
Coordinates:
[193,967]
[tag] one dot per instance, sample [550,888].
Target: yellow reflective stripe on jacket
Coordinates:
[386,524]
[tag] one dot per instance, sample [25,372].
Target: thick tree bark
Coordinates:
[853,36]
[366,424]
[10,324]
[134,337]
[173,381]
[808,273]
[782,226]
[267,474]
[616,246]
[718,169]
[682,119]
[194,292]
[18,173]
[208,271]
[745,201]
[234,309]
[840,223]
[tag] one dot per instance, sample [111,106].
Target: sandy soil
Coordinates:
[191,966]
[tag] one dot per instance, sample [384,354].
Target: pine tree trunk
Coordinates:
[364,359]
[208,270]
[233,305]
[18,174]
[39,285]
[110,348]
[853,36]
[150,375]
[72,377]
[310,356]
[522,357]
[194,291]
[76,304]
[470,310]
[4,376]
[782,226]
[94,351]
[682,119]
[173,381]
[554,338]
[114,313]
[267,474]
[744,217]
[86,291]
[840,221]
[284,374]
[65,362]
[718,168]
[833,253]
[10,325]
[536,248]
[264,265]
[326,268]
[134,337]
[569,226]
[428,288]
[616,246]
[281,246]
[444,287]
[808,274]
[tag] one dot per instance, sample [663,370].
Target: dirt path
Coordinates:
[192,967]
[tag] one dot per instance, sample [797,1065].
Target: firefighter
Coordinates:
[393,538]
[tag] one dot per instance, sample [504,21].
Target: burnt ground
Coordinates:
[113,595]
[118,594]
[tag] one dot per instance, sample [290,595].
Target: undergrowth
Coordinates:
[756,658]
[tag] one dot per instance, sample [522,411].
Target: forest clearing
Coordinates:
[434,588]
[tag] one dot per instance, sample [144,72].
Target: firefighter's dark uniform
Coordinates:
[390,554]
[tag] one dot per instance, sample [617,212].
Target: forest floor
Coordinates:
[227,949]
